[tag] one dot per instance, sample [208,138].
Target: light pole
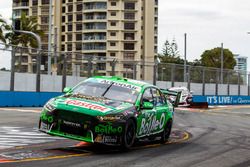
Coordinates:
[221,67]
[248,77]
[185,57]
[50,37]
[162,72]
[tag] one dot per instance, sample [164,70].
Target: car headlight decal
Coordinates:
[49,106]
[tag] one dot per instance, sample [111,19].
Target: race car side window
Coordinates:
[159,99]
[147,96]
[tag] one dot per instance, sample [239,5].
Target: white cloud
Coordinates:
[207,23]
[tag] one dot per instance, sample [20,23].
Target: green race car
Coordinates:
[109,110]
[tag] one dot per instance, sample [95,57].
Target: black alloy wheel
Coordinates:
[128,138]
[166,132]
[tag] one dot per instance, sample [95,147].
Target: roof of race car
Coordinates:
[124,80]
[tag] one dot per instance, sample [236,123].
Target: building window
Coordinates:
[62,48]
[112,54]
[79,17]
[78,37]
[113,23]
[78,46]
[63,19]
[63,9]
[113,34]
[129,46]
[44,2]
[70,27]
[69,47]
[78,27]
[70,18]
[63,38]
[129,36]
[129,16]
[129,26]
[35,2]
[113,13]
[129,5]
[101,66]
[63,28]
[129,56]
[70,8]
[44,19]
[113,3]
[69,37]
[79,7]
[112,44]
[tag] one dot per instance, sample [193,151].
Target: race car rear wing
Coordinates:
[169,93]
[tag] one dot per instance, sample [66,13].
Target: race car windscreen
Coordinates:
[108,90]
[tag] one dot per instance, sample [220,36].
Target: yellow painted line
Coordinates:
[48,158]
[186,137]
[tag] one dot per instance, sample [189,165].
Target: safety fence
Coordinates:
[30,72]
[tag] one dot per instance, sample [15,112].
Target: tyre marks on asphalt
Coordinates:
[19,136]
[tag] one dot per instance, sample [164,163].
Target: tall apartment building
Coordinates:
[125,30]
[241,65]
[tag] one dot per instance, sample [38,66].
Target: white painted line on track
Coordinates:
[20,136]
[21,110]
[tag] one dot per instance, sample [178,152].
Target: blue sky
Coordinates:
[208,23]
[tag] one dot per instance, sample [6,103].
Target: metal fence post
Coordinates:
[188,77]
[135,71]
[64,72]
[238,83]
[12,72]
[248,84]
[38,71]
[217,82]
[155,74]
[203,81]
[172,74]
[228,83]
[113,67]
[89,67]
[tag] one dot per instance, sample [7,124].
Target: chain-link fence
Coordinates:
[68,68]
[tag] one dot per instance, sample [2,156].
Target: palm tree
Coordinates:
[25,40]
[3,26]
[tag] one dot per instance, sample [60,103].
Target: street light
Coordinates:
[222,60]
[185,57]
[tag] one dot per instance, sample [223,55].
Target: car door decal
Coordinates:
[150,123]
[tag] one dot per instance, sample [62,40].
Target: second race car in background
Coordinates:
[186,95]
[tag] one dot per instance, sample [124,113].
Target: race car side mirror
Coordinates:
[147,105]
[67,90]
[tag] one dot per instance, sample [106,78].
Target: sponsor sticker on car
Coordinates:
[88,105]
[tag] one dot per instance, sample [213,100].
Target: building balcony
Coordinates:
[20,5]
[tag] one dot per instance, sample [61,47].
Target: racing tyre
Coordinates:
[166,132]
[128,138]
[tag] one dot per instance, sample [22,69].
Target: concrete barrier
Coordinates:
[25,99]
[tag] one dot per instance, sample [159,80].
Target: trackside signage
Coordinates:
[223,100]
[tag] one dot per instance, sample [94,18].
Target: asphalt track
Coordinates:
[213,137]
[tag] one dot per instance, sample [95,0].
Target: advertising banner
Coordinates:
[222,100]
